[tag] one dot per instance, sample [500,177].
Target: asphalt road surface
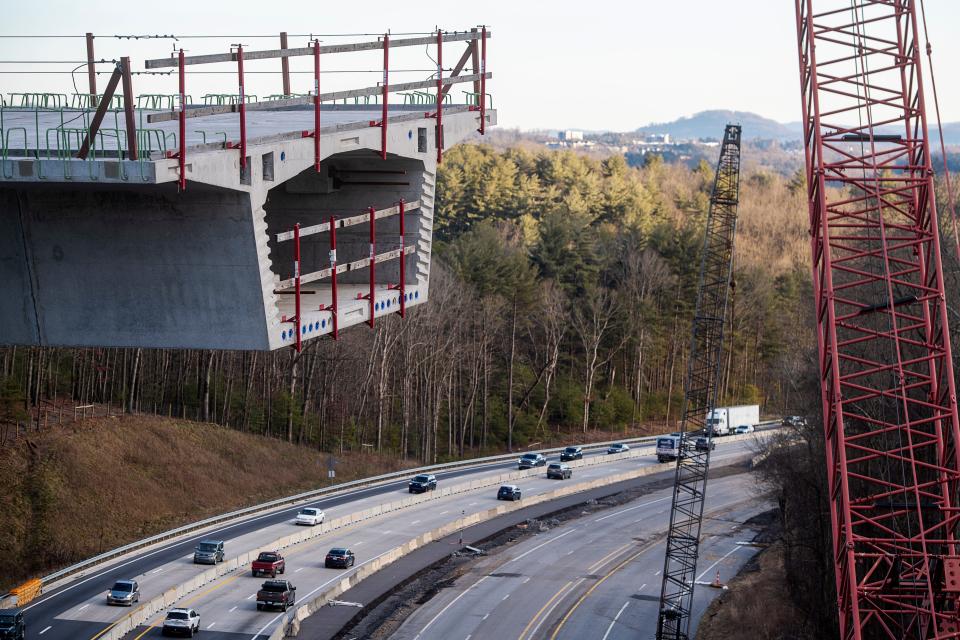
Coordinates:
[594,577]
[226,606]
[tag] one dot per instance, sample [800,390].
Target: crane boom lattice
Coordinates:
[700,395]
[886,370]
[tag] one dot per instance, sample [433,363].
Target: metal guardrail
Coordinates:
[240,514]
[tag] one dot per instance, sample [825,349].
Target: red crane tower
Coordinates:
[888,391]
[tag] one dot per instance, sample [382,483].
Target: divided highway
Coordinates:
[78,609]
[594,577]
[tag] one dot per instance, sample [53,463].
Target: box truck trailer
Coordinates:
[723,420]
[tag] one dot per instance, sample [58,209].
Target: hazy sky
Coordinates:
[600,64]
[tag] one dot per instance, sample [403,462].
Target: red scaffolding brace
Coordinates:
[294,284]
[888,391]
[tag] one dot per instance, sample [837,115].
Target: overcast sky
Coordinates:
[592,64]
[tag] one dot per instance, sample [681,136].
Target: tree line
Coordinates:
[561,297]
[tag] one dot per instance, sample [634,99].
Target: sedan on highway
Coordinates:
[339,558]
[571,453]
[619,447]
[509,492]
[705,444]
[745,428]
[124,592]
[181,622]
[310,516]
[530,460]
[559,471]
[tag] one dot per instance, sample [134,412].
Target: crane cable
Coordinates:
[943,146]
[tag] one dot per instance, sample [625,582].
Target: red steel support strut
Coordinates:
[243,113]
[296,275]
[373,257]
[316,107]
[385,93]
[439,96]
[333,276]
[182,156]
[483,81]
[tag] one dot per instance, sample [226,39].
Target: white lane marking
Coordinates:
[415,522]
[542,544]
[251,597]
[571,551]
[232,610]
[156,571]
[83,607]
[546,614]
[657,573]
[504,597]
[642,587]
[469,635]
[725,556]
[485,616]
[298,570]
[211,625]
[450,604]
[357,544]
[614,621]
[443,512]
[526,580]
[45,630]
[639,506]
[471,504]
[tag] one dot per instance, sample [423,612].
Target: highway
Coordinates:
[78,610]
[593,577]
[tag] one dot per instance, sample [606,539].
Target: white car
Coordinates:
[181,622]
[618,448]
[745,428]
[310,516]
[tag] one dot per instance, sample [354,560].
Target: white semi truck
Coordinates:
[723,420]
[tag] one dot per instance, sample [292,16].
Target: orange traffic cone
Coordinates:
[716,582]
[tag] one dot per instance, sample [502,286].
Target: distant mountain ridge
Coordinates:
[709,125]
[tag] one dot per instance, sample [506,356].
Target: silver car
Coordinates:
[208,552]
[124,592]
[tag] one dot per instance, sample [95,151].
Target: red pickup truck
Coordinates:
[269,563]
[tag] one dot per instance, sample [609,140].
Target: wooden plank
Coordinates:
[356,265]
[471,48]
[199,112]
[352,220]
[159,63]
[105,101]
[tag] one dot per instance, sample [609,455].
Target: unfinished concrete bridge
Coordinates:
[228,221]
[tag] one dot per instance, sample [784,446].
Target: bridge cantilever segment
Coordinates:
[179,247]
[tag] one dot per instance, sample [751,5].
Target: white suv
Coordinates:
[181,622]
[310,515]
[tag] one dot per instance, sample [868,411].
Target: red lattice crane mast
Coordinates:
[888,391]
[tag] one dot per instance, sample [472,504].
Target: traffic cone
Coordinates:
[716,582]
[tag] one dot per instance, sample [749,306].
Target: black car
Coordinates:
[423,482]
[12,626]
[559,471]
[571,453]
[509,492]
[705,444]
[339,558]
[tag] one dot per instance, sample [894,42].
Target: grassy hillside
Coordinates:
[72,493]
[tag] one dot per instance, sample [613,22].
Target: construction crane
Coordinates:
[886,368]
[700,395]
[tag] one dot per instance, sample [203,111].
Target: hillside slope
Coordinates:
[72,493]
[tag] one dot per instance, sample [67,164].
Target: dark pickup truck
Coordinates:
[276,593]
[269,563]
